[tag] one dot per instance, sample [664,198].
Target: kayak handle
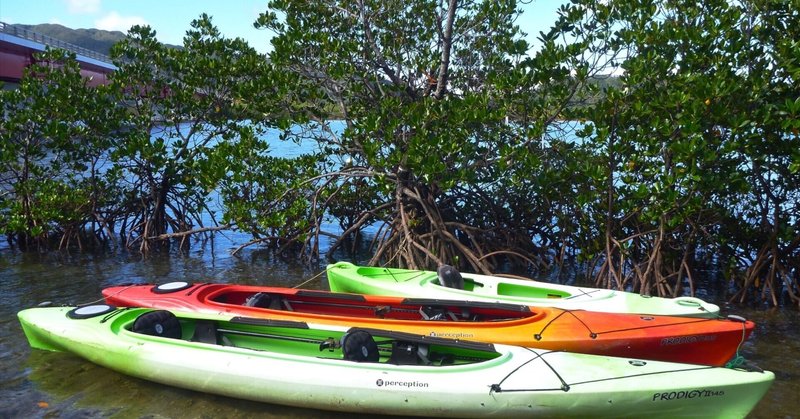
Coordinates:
[689,302]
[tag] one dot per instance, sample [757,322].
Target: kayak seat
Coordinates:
[263,300]
[405,353]
[382,311]
[450,277]
[158,323]
[432,313]
[436,313]
[359,346]
[205,331]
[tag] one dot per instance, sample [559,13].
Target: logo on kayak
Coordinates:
[682,340]
[391,383]
[452,335]
[689,394]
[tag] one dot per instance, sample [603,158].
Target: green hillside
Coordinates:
[92,39]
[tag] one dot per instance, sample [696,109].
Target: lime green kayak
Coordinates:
[374,371]
[346,277]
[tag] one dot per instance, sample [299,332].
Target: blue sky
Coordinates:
[171,18]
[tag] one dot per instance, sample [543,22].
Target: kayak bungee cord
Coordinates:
[538,336]
[582,293]
[496,388]
[594,334]
[632,362]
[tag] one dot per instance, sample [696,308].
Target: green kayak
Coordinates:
[346,277]
[374,371]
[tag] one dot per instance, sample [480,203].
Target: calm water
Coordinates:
[38,384]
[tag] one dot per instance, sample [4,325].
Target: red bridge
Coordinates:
[18,46]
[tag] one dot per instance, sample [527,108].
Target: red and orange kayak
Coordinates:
[704,341]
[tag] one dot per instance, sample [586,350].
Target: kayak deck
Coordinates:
[346,277]
[293,363]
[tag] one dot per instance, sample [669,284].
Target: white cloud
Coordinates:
[83,6]
[114,22]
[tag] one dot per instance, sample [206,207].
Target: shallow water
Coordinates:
[38,384]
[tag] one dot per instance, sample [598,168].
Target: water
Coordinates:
[39,384]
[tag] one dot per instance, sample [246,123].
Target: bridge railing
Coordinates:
[50,41]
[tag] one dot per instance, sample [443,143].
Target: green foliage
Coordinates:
[423,90]
[268,198]
[53,140]
[192,110]
[692,148]
[644,136]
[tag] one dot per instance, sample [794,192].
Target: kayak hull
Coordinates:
[667,338]
[346,277]
[516,381]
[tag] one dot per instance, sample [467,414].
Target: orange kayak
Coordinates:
[665,338]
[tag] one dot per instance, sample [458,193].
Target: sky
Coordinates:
[171,18]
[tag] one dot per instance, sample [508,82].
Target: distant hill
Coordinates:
[92,39]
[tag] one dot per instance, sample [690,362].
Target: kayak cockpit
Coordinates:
[297,338]
[324,303]
[447,277]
